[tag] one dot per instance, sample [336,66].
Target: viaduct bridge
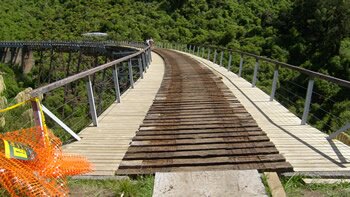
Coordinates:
[179,108]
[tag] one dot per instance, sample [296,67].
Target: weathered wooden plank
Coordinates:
[239,116]
[197,135]
[190,116]
[201,161]
[271,166]
[200,141]
[275,184]
[196,106]
[133,149]
[198,131]
[191,103]
[201,153]
[210,126]
[201,111]
[198,122]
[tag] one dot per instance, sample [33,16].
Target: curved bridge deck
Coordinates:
[204,119]
[196,123]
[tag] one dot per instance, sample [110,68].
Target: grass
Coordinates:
[139,187]
[142,186]
[267,188]
[295,186]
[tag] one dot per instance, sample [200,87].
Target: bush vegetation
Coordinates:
[313,34]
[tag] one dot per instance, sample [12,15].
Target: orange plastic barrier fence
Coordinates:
[32,163]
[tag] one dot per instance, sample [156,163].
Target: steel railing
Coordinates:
[142,56]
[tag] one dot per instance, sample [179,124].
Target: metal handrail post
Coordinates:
[240,66]
[215,53]
[150,54]
[147,59]
[91,102]
[208,54]
[307,101]
[222,57]
[229,62]
[131,76]
[116,83]
[144,62]
[255,76]
[274,83]
[140,67]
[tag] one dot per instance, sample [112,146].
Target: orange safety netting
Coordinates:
[45,173]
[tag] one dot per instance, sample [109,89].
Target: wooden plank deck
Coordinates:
[195,123]
[106,145]
[305,147]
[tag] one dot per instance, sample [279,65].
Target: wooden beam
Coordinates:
[275,184]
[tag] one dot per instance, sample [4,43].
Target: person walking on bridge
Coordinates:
[151,42]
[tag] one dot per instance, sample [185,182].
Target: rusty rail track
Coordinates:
[196,123]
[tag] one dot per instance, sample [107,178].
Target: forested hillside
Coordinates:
[314,34]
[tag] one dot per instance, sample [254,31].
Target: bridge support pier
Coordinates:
[27,60]
[21,56]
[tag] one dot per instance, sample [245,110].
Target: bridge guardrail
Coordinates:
[142,57]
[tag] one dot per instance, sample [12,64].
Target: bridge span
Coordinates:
[167,124]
